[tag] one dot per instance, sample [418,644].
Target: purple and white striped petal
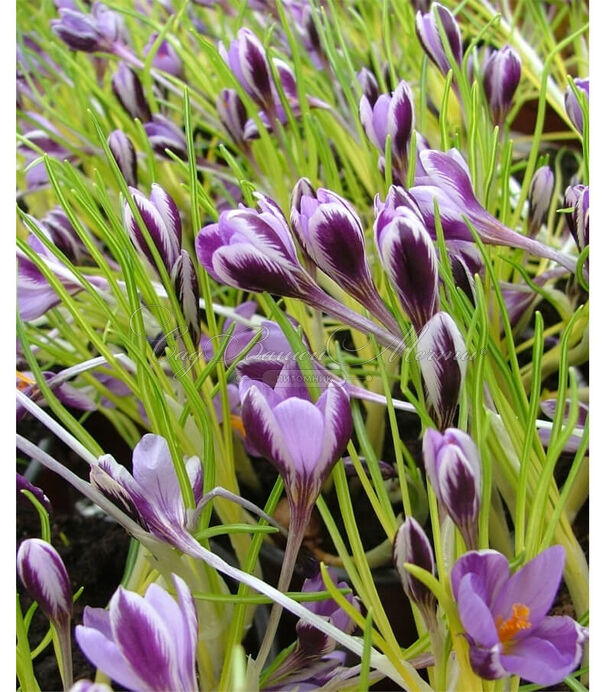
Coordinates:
[89,686]
[247,59]
[428,33]
[502,74]
[232,114]
[123,151]
[161,218]
[63,235]
[539,198]
[412,545]
[185,282]
[43,574]
[128,90]
[79,31]
[410,261]
[370,87]
[163,134]
[577,197]
[571,103]
[38,493]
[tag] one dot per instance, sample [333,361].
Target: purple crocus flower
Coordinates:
[571,103]
[391,115]
[123,151]
[90,33]
[330,231]
[161,218]
[164,134]
[43,574]
[548,407]
[429,35]
[144,642]
[128,90]
[66,393]
[38,493]
[502,74]
[185,282]
[89,686]
[412,545]
[64,236]
[151,494]
[453,467]
[448,180]
[442,358]
[539,198]
[411,263]
[165,58]
[232,114]
[302,440]
[505,617]
[370,87]
[247,60]
[577,197]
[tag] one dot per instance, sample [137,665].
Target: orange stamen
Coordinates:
[236,424]
[24,381]
[507,629]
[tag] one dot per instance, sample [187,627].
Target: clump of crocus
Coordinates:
[43,574]
[123,151]
[412,545]
[410,261]
[505,617]
[144,642]
[502,73]
[303,441]
[391,115]
[453,467]
[442,358]
[571,102]
[539,198]
[430,36]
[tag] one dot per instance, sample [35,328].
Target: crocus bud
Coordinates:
[247,60]
[441,355]
[453,467]
[390,115]
[369,85]
[165,58]
[161,218]
[412,545]
[123,151]
[163,134]
[539,198]
[329,230]
[43,574]
[501,78]
[573,109]
[409,258]
[128,90]
[232,114]
[90,33]
[63,235]
[185,281]
[577,197]
[428,33]
[38,493]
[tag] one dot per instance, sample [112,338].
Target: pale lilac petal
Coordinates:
[475,614]
[302,428]
[338,424]
[491,568]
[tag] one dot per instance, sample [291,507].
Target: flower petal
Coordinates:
[474,611]
[491,568]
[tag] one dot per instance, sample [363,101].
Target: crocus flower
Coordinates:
[185,281]
[90,33]
[465,261]
[38,493]
[577,197]
[370,87]
[232,114]
[301,439]
[573,109]
[391,115]
[165,58]
[548,407]
[505,617]
[151,494]
[410,261]
[330,231]
[43,574]
[429,35]
[123,151]
[65,392]
[539,198]
[163,134]
[144,642]
[63,235]
[161,218]
[128,90]
[89,686]
[502,74]
[247,60]
[453,467]
[442,358]
[448,180]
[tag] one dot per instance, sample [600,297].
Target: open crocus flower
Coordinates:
[151,494]
[505,617]
[448,180]
[144,642]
